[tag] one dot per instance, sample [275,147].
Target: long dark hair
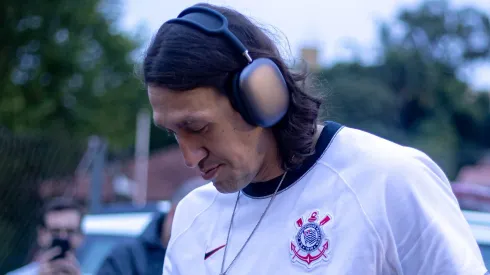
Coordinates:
[180,58]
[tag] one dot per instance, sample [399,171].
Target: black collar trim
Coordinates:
[266,189]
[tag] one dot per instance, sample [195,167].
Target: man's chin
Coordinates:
[223,188]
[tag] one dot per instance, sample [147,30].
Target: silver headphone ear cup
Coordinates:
[264,92]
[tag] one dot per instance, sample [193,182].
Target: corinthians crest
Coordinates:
[310,246]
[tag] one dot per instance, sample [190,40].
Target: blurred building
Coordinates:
[310,56]
[166,172]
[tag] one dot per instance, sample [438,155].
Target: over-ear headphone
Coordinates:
[258,91]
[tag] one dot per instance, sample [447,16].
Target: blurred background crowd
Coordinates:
[75,121]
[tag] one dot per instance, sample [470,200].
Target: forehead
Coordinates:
[181,107]
[63,218]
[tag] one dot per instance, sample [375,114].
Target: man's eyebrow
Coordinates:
[184,122]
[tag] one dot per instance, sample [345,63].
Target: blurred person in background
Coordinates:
[146,254]
[58,236]
[289,195]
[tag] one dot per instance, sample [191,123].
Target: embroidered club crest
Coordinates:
[310,246]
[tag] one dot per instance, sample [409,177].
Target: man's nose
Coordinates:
[63,234]
[192,153]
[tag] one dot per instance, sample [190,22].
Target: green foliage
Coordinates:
[65,69]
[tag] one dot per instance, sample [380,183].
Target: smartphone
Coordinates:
[64,246]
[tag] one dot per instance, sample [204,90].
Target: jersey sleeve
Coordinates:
[188,209]
[169,264]
[430,232]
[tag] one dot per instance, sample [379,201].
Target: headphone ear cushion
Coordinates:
[263,92]
[236,99]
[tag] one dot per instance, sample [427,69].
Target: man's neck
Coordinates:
[271,162]
[272,168]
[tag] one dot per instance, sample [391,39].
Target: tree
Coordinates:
[66,69]
[437,43]
[66,72]
[416,85]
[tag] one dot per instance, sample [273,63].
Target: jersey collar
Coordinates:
[267,188]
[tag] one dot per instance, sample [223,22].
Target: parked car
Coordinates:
[112,226]
[119,224]
[480,225]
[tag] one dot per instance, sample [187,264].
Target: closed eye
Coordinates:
[199,131]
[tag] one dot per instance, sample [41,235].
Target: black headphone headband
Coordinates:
[258,91]
[212,23]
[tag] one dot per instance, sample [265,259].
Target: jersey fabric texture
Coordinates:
[360,205]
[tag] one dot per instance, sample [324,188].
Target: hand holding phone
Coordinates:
[63,246]
[51,262]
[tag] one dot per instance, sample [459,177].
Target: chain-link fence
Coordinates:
[26,164]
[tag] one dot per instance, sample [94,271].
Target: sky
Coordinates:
[331,26]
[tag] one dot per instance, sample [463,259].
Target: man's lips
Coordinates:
[210,173]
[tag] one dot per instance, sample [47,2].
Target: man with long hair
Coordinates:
[288,195]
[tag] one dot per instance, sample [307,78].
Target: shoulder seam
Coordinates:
[358,202]
[195,217]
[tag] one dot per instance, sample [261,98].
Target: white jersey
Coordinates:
[360,205]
